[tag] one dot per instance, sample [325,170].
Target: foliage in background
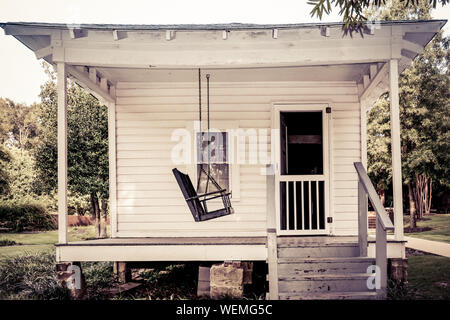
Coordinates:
[424,92]
[21,173]
[5,179]
[379,147]
[19,125]
[354,13]
[28,154]
[25,214]
[88,173]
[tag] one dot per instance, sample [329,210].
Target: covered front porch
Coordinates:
[147,76]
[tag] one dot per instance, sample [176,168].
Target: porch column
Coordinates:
[396,151]
[112,168]
[272,255]
[62,151]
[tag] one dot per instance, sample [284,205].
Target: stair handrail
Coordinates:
[366,188]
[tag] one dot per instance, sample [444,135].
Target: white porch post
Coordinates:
[62,152]
[395,147]
[272,255]
[112,168]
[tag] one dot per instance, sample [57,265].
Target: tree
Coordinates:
[4,158]
[19,132]
[424,92]
[4,174]
[22,175]
[378,147]
[19,124]
[354,12]
[87,147]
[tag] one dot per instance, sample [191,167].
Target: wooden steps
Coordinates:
[331,296]
[316,268]
[303,266]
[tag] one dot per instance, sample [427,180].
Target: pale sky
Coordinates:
[21,74]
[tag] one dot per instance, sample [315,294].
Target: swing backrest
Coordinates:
[185,184]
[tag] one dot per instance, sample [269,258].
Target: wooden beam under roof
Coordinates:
[381,74]
[86,80]
[44,52]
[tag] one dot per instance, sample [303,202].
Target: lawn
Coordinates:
[429,277]
[35,242]
[439,224]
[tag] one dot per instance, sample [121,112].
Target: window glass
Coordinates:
[216,145]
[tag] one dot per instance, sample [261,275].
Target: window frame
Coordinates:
[233,166]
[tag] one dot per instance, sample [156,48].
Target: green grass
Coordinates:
[429,277]
[439,224]
[35,242]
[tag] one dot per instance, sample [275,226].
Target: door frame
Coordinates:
[277,108]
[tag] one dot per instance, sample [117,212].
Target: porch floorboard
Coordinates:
[165,249]
[170,241]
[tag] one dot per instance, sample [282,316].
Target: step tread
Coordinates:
[327,277]
[329,295]
[324,260]
[317,244]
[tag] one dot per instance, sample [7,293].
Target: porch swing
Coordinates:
[197,203]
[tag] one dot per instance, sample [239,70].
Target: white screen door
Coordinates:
[302,166]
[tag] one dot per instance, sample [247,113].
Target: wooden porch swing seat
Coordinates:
[197,203]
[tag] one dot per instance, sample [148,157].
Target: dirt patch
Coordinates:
[412,253]
[417,229]
[7,243]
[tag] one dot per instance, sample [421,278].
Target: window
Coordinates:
[216,145]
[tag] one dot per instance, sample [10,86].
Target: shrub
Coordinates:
[78,204]
[21,173]
[25,214]
[397,290]
[30,276]
[99,276]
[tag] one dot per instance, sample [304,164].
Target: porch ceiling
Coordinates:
[346,72]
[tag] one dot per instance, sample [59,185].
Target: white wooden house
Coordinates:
[291,102]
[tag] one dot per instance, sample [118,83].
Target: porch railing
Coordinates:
[302,203]
[366,188]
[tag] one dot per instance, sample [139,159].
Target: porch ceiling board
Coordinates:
[241,76]
[298,54]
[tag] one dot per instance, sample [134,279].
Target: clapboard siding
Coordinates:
[148,199]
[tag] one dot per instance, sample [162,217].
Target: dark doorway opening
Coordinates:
[301,142]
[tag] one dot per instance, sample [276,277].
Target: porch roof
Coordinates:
[201,27]
[99,56]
